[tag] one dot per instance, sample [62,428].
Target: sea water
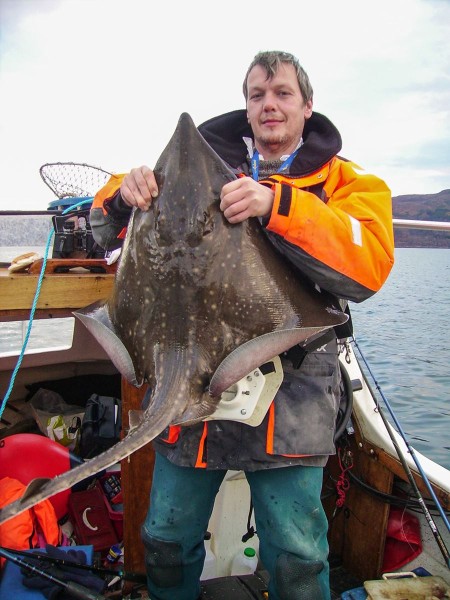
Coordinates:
[404,333]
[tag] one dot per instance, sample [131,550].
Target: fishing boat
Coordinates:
[387,504]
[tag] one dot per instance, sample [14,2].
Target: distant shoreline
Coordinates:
[422,207]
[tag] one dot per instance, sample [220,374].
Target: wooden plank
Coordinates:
[61,265]
[358,529]
[58,291]
[136,475]
[23,314]
[369,520]
[396,467]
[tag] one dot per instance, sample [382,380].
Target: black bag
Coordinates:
[101,425]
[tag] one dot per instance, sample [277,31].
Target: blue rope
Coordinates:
[33,308]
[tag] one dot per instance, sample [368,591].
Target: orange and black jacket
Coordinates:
[334,223]
[330,219]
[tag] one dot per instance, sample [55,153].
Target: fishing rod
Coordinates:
[421,501]
[120,573]
[75,590]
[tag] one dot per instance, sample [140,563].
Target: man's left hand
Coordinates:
[244,198]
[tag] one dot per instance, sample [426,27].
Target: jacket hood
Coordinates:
[321,140]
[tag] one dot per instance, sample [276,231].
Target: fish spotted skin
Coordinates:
[197,304]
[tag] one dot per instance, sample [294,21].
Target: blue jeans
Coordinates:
[290,521]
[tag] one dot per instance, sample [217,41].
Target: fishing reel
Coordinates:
[73,236]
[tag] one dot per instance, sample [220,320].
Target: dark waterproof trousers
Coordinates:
[290,521]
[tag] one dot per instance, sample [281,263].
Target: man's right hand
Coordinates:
[139,187]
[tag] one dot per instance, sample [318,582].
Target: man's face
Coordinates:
[276,110]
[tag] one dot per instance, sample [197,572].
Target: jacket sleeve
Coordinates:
[343,241]
[109,215]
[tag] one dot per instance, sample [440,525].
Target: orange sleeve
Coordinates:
[346,233]
[107,191]
[108,229]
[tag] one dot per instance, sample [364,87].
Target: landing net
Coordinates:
[73,180]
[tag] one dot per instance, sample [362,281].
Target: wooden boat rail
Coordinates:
[67,284]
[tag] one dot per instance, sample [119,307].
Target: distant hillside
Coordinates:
[423,207]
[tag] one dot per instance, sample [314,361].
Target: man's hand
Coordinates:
[139,188]
[244,198]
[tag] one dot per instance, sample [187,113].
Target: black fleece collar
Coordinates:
[224,133]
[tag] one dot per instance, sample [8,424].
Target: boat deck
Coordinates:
[67,288]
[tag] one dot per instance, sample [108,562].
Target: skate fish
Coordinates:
[197,304]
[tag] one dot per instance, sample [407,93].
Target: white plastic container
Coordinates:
[244,562]
[210,566]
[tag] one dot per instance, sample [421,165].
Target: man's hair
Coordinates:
[271,61]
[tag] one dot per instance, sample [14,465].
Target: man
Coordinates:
[335,226]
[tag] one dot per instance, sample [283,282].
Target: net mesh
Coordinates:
[73,180]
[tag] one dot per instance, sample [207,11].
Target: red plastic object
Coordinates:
[116,516]
[403,540]
[90,519]
[26,456]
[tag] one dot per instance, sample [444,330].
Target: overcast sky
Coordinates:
[103,82]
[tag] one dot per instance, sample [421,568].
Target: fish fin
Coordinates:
[256,352]
[96,319]
[198,412]
[135,418]
[40,489]
[34,487]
